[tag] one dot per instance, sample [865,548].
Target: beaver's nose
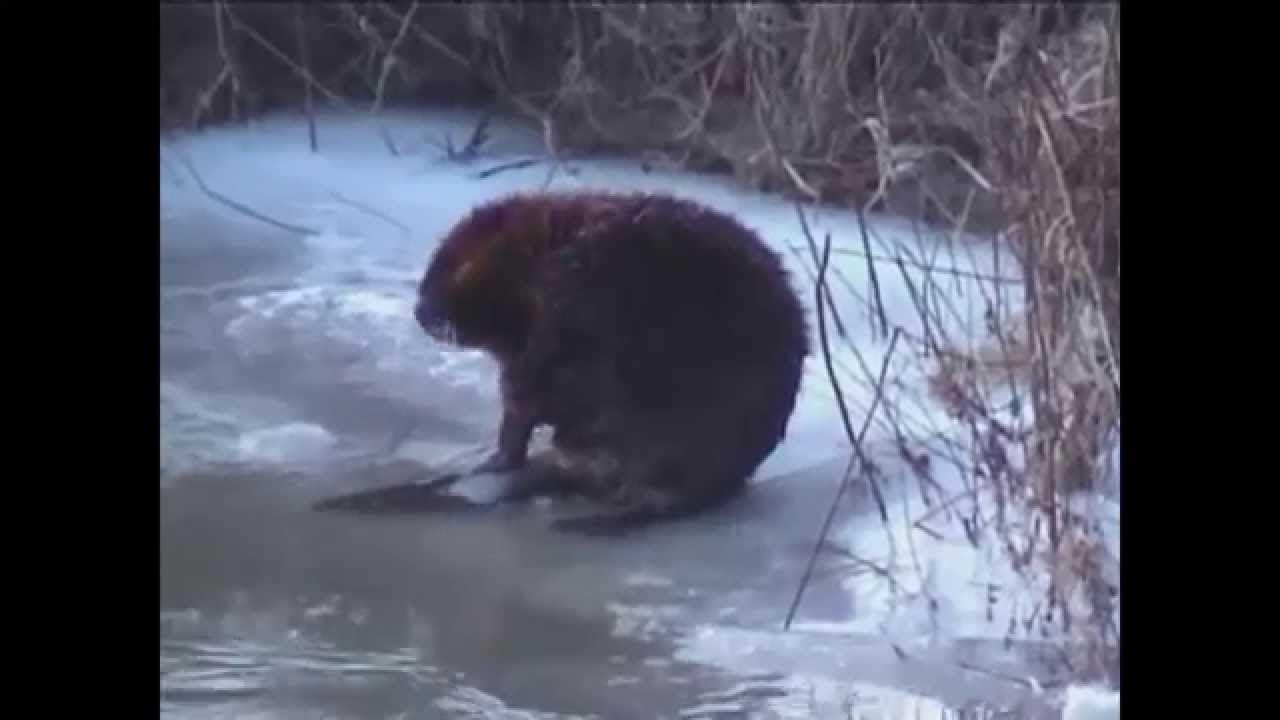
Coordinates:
[425,315]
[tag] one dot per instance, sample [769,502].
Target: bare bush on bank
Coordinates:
[1036,397]
[999,119]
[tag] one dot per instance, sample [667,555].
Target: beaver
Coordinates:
[659,339]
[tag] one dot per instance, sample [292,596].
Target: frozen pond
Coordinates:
[292,370]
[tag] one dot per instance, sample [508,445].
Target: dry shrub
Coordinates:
[789,98]
[224,62]
[1039,396]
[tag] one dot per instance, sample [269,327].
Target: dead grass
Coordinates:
[1034,398]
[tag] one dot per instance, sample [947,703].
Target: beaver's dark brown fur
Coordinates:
[660,339]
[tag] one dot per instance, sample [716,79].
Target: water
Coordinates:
[270,608]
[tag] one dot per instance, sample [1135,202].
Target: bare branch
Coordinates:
[284,58]
[299,10]
[854,439]
[244,209]
[425,36]
[871,272]
[515,165]
[371,211]
[389,60]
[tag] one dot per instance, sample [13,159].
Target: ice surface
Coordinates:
[1084,702]
[332,308]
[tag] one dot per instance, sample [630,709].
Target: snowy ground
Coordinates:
[290,357]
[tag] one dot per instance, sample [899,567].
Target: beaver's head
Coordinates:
[474,292]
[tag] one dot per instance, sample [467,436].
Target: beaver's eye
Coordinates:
[463,273]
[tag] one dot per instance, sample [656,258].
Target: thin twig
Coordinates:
[204,101]
[244,209]
[168,165]
[866,423]
[479,137]
[871,270]
[389,60]
[956,272]
[431,40]
[219,9]
[516,165]
[880,571]
[826,345]
[926,329]
[826,289]
[387,141]
[1069,205]
[299,10]
[372,211]
[284,58]
[855,439]
[549,140]
[809,272]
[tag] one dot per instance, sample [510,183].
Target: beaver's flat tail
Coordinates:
[396,499]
